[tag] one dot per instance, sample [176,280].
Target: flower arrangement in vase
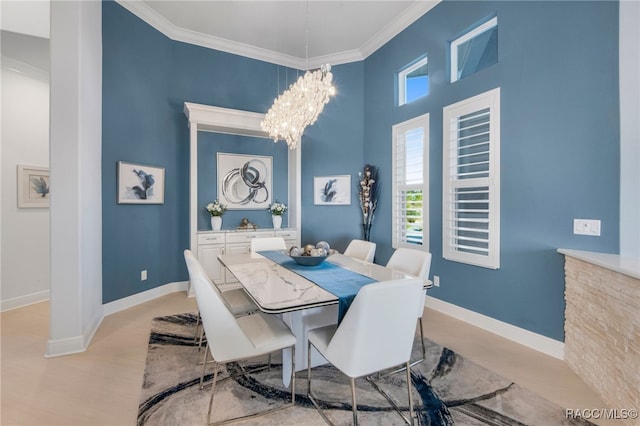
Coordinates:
[277,210]
[368,197]
[216,210]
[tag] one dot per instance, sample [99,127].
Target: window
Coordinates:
[471,181]
[410,191]
[413,82]
[475,50]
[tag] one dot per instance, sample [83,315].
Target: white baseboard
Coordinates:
[22,301]
[74,345]
[145,296]
[66,346]
[519,335]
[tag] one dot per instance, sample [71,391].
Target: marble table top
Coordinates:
[276,289]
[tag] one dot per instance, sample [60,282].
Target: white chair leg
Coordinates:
[409,391]
[200,339]
[308,368]
[309,394]
[354,406]
[213,392]
[255,415]
[204,365]
[408,421]
[293,374]
[195,335]
[424,349]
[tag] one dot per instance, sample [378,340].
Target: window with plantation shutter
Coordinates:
[410,193]
[471,181]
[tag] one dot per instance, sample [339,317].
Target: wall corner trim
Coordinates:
[76,344]
[145,296]
[519,335]
[73,345]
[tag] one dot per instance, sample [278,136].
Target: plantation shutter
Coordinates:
[471,193]
[410,190]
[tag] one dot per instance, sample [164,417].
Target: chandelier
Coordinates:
[299,106]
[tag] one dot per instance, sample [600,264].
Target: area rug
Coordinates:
[447,389]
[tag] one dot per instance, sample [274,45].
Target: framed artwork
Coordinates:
[245,182]
[33,187]
[140,184]
[332,190]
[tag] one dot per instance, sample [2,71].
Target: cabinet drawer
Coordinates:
[287,235]
[210,239]
[243,237]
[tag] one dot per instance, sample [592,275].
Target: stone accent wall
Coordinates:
[602,332]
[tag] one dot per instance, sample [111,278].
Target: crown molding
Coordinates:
[345,57]
[160,23]
[395,27]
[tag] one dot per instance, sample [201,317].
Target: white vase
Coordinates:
[216,223]
[277,221]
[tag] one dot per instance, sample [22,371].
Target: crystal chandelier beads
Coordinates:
[299,106]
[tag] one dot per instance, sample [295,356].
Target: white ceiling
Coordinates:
[25,17]
[300,34]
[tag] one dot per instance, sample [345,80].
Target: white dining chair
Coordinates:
[271,243]
[236,300]
[360,249]
[418,264]
[232,339]
[375,334]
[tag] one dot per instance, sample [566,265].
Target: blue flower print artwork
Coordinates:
[329,191]
[332,190]
[144,190]
[33,186]
[140,184]
[40,186]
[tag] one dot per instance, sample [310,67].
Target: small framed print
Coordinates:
[33,187]
[332,190]
[140,184]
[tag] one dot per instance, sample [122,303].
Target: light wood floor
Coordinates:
[101,386]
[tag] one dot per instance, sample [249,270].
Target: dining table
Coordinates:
[301,303]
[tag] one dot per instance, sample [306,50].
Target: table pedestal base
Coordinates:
[300,323]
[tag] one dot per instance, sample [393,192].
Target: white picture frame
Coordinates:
[245,182]
[332,190]
[33,186]
[140,183]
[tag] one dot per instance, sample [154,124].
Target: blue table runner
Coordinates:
[341,282]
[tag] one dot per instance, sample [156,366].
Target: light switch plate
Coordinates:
[586,227]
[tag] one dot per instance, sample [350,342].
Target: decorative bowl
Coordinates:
[309,260]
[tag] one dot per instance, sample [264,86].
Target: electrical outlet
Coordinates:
[436,281]
[143,275]
[586,227]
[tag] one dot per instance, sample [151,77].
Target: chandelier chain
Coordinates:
[300,105]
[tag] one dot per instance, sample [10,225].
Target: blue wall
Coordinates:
[146,80]
[334,145]
[558,74]
[139,125]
